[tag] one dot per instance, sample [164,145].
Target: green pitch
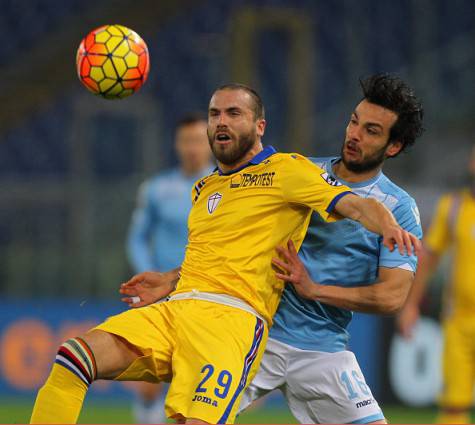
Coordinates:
[18,411]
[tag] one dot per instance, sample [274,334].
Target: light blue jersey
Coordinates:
[342,253]
[159,232]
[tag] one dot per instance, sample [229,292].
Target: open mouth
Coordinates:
[351,149]
[222,138]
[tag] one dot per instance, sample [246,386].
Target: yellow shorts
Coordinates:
[209,351]
[458,362]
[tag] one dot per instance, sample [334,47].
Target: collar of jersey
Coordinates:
[368,182]
[261,156]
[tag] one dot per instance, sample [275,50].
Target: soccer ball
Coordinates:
[112,61]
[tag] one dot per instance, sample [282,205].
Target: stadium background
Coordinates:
[70,163]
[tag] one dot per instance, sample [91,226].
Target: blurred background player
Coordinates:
[453,226]
[306,355]
[158,232]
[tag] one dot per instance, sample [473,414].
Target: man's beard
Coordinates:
[367,164]
[232,155]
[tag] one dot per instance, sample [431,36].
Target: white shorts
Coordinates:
[319,387]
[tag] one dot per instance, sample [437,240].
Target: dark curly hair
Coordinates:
[392,93]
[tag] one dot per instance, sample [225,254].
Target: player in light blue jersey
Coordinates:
[158,230]
[342,267]
[354,259]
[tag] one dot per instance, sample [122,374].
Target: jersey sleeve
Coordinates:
[438,235]
[407,215]
[307,184]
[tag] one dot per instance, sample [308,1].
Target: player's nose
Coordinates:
[354,133]
[222,120]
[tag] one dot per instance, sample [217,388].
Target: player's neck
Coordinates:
[226,168]
[344,173]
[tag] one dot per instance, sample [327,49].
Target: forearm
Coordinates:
[373,215]
[365,299]
[386,296]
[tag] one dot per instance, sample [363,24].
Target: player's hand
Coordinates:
[294,271]
[407,319]
[147,288]
[406,242]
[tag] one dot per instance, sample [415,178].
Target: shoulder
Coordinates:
[456,196]
[287,157]
[293,161]
[401,203]
[294,168]
[392,195]
[450,201]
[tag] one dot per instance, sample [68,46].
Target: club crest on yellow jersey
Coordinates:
[213,202]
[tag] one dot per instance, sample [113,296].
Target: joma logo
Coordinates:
[206,400]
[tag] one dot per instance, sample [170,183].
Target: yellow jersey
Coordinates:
[239,218]
[453,226]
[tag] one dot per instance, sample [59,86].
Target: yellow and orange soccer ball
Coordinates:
[113,61]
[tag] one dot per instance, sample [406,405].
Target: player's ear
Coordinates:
[261,127]
[393,148]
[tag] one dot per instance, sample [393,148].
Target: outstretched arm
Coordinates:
[149,287]
[373,215]
[386,296]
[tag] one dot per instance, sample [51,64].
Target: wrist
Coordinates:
[173,276]
[317,292]
[389,224]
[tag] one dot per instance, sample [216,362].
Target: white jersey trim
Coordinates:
[403,266]
[406,266]
[228,300]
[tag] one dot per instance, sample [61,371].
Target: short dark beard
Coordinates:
[368,164]
[245,143]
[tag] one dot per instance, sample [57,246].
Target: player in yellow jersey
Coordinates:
[453,226]
[207,339]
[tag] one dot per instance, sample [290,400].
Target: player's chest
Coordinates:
[230,201]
